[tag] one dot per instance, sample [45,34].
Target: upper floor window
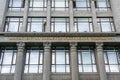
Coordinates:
[103,5]
[38,5]
[8,59]
[16,5]
[83,24]
[112,59]
[36,25]
[60,5]
[82,5]
[13,24]
[106,24]
[34,60]
[60,59]
[86,59]
[60,25]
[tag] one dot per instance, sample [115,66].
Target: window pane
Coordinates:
[60,68]
[87,68]
[112,58]
[7,57]
[5,69]
[26,69]
[33,68]
[86,58]
[34,57]
[40,68]
[60,57]
[114,68]
[106,27]
[13,69]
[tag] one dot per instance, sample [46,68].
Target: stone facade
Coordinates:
[98,39]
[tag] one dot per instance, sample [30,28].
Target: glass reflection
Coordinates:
[86,59]
[60,59]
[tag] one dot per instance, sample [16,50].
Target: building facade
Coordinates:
[59,39]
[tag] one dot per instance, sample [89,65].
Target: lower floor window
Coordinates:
[8,59]
[60,59]
[34,60]
[112,59]
[86,59]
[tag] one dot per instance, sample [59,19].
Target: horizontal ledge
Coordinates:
[59,34]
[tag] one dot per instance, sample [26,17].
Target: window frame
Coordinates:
[31,21]
[111,22]
[28,63]
[93,63]
[13,59]
[9,21]
[66,64]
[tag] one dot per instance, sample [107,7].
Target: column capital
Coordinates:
[73,44]
[20,44]
[99,44]
[46,44]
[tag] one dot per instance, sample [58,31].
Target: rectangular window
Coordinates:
[8,59]
[60,5]
[86,59]
[82,5]
[60,25]
[16,5]
[106,24]
[60,59]
[34,60]
[103,5]
[83,24]
[36,25]
[112,59]
[13,24]
[38,5]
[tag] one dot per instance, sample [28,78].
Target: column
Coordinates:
[71,14]
[74,61]
[47,63]
[116,13]
[47,29]
[3,10]
[25,16]
[96,27]
[20,61]
[100,61]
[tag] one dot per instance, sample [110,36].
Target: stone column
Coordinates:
[100,61]
[25,16]
[74,61]
[47,28]
[3,10]
[96,27]
[20,61]
[47,64]
[116,13]
[71,14]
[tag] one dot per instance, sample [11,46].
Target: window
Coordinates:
[60,59]
[16,5]
[86,59]
[60,5]
[103,5]
[106,24]
[38,5]
[82,5]
[112,59]
[83,24]
[13,24]
[34,60]
[60,25]
[36,25]
[8,59]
